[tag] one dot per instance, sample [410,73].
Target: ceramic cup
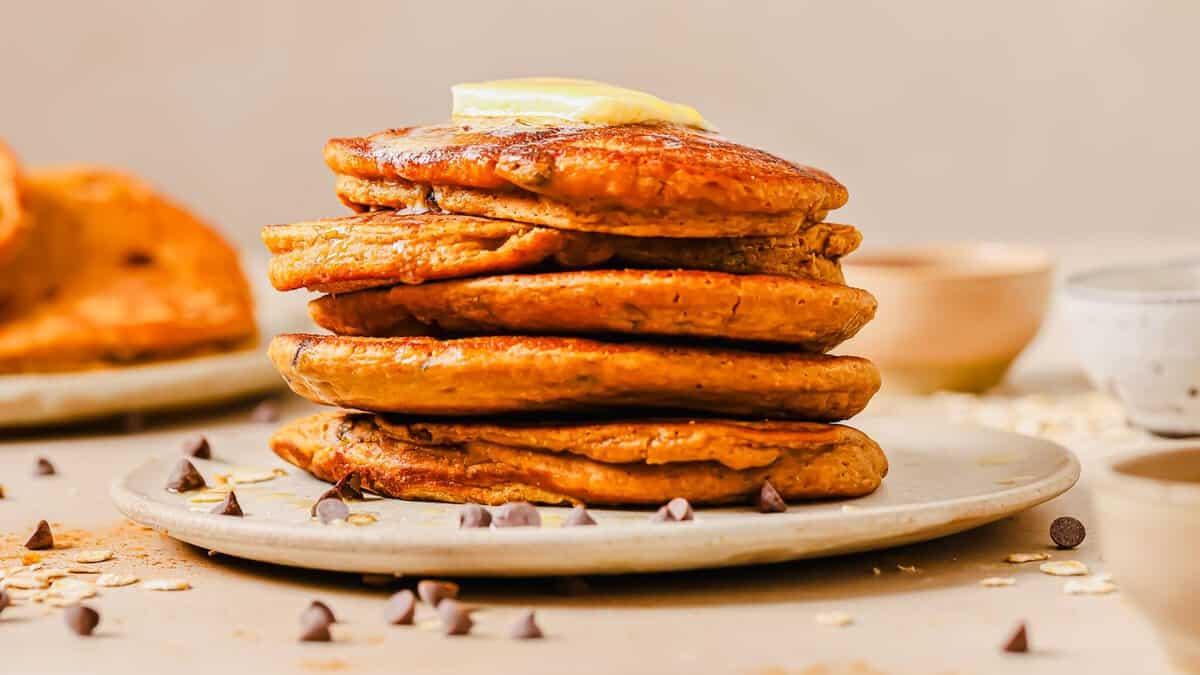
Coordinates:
[1148,509]
[1137,332]
[951,316]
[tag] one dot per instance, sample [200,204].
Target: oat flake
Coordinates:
[93,556]
[995,582]
[116,580]
[1064,568]
[835,618]
[167,585]
[1018,558]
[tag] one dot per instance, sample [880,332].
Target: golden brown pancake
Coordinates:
[528,207]
[480,376]
[139,278]
[732,443]
[385,248]
[331,445]
[635,179]
[810,316]
[12,206]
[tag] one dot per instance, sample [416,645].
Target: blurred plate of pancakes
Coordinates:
[113,299]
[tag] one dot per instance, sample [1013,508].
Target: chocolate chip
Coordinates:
[81,619]
[133,422]
[769,500]
[184,477]
[267,411]
[1019,642]
[474,515]
[42,538]
[5,601]
[197,446]
[570,586]
[525,627]
[350,486]
[317,612]
[229,507]
[329,510]
[517,514]
[1067,532]
[43,467]
[137,258]
[315,632]
[434,593]
[400,608]
[456,620]
[331,493]
[1,492]
[578,516]
[676,510]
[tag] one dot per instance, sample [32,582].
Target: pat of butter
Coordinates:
[571,100]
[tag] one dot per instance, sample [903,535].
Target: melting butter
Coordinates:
[557,98]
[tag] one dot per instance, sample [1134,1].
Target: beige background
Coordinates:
[1044,121]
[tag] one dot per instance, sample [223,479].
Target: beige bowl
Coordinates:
[951,316]
[1148,511]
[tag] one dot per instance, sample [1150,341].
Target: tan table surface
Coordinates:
[242,617]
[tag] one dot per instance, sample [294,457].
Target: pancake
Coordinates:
[26,274]
[808,315]
[385,248]
[634,179]
[331,445]
[732,443]
[12,208]
[137,278]
[480,376]
[527,207]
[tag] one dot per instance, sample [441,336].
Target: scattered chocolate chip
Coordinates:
[329,510]
[456,620]
[138,259]
[1,492]
[267,411]
[81,619]
[315,632]
[676,510]
[229,507]
[350,486]
[1067,532]
[579,516]
[5,601]
[517,514]
[331,493]
[474,515]
[184,477]
[525,628]
[769,500]
[133,422]
[570,586]
[400,608]
[317,612]
[43,467]
[434,593]
[197,446]
[1019,642]
[42,538]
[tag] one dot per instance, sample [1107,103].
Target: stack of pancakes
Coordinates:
[576,313]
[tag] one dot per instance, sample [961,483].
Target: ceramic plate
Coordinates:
[39,399]
[944,479]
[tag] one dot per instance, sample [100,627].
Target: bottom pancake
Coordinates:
[330,445]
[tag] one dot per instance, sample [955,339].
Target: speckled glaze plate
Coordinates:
[944,479]
[40,399]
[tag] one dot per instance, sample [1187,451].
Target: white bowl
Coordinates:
[1137,331]
[1147,505]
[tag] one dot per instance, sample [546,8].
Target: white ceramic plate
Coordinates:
[944,479]
[39,399]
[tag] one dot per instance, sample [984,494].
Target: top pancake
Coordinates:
[132,277]
[669,171]
[12,208]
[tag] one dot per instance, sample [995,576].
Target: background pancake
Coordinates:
[140,278]
[331,445]
[478,376]
[809,315]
